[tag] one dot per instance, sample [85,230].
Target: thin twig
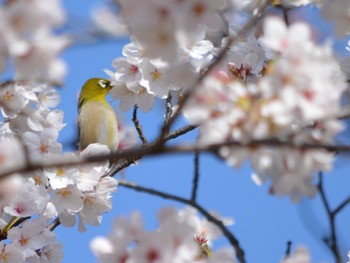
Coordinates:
[138,126]
[285,11]
[179,132]
[323,194]
[231,238]
[341,206]
[195,177]
[288,249]
[173,135]
[285,15]
[331,241]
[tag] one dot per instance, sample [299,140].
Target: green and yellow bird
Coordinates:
[97,121]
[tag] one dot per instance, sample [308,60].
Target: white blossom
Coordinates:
[109,21]
[174,240]
[42,145]
[30,236]
[300,255]
[337,11]
[12,154]
[69,199]
[12,99]
[31,200]
[11,253]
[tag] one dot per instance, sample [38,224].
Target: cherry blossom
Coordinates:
[289,96]
[12,99]
[11,253]
[174,241]
[30,201]
[30,236]
[42,145]
[61,177]
[300,255]
[11,155]
[68,199]
[109,21]
[338,12]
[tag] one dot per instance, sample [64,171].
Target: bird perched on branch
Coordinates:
[97,121]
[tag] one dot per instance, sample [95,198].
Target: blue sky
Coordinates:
[263,223]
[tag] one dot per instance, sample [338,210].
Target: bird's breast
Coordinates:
[97,124]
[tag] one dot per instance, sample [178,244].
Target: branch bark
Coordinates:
[138,126]
[154,149]
[195,177]
[331,241]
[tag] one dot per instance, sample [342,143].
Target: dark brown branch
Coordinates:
[138,127]
[288,249]
[55,223]
[180,132]
[341,206]
[285,15]
[195,177]
[231,238]
[285,11]
[331,241]
[323,194]
[154,149]
[131,155]
[173,135]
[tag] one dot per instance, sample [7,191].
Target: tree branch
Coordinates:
[231,238]
[195,177]
[138,127]
[288,249]
[331,241]
[341,206]
[173,135]
[154,149]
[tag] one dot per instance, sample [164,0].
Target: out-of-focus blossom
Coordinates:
[291,95]
[109,22]
[337,11]
[300,255]
[26,31]
[11,253]
[12,155]
[179,238]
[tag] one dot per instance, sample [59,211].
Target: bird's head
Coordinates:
[95,88]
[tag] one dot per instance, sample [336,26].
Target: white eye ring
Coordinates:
[102,83]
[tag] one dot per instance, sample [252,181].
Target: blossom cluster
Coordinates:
[168,49]
[27,38]
[289,100]
[181,237]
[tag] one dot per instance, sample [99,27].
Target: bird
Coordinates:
[97,120]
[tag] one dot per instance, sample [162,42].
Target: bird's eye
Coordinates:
[102,83]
